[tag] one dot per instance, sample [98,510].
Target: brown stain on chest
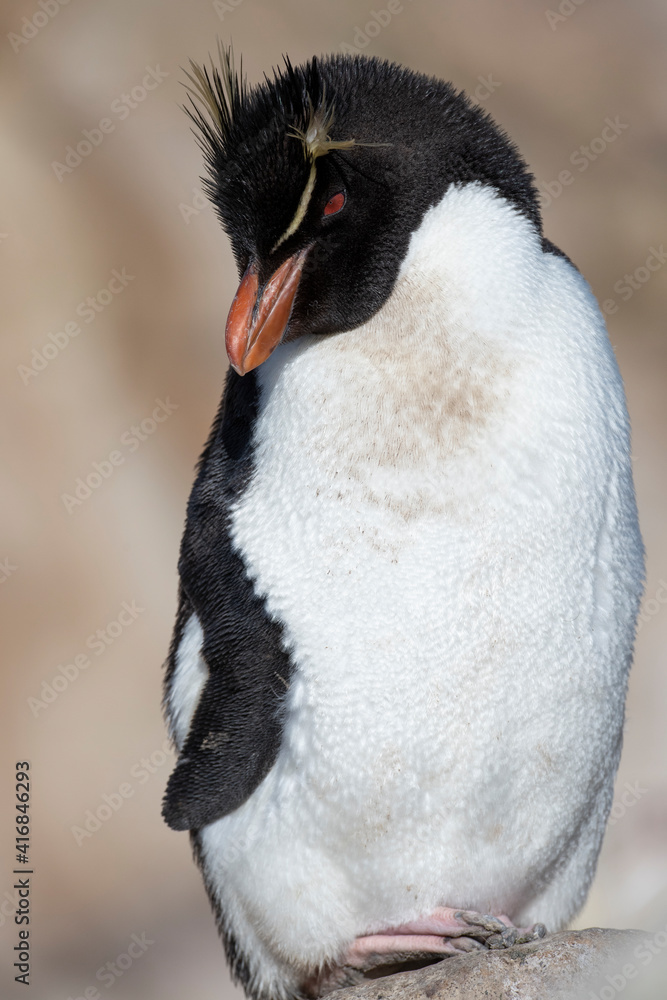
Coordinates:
[424,389]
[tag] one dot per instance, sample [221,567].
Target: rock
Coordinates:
[593,964]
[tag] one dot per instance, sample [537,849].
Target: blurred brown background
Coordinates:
[67,566]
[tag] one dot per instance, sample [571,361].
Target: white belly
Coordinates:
[442,517]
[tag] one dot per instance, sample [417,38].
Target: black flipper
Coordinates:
[236,730]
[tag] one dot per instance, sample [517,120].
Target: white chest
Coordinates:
[423,519]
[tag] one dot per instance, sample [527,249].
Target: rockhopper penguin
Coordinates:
[411,565]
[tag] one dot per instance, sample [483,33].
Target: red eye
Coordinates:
[334,204]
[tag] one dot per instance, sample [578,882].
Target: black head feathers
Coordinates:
[216,95]
[383,141]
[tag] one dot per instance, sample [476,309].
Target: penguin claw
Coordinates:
[533,933]
[466,944]
[484,920]
[497,934]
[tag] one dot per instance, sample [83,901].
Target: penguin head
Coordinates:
[321,174]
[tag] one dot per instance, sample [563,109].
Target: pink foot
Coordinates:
[444,932]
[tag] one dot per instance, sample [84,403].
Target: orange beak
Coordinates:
[258,318]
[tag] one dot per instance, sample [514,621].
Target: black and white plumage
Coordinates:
[411,566]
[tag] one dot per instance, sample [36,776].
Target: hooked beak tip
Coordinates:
[258,317]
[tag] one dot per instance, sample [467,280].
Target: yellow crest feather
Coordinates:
[315,137]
